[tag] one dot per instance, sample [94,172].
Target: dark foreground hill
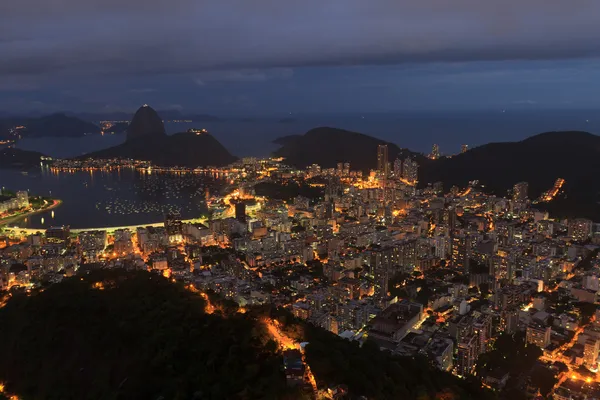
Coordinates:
[329,146]
[538,160]
[141,337]
[114,334]
[185,149]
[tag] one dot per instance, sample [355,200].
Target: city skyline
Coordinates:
[339,200]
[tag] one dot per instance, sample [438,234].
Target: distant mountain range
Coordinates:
[538,160]
[167,115]
[56,125]
[147,140]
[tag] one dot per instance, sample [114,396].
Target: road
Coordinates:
[13,219]
[16,230]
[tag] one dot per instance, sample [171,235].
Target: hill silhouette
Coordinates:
[147,140]
[330,146]
[538,160]
[144,337]
[11,157]
[56,125]
[145,123]
[185,149]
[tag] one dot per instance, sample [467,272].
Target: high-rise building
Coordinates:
[240,211]
[461,252]
[382,160]
[590,352]
[539,335]
[435,152]
[580,228]
[482,328]
[340,169]
[346,169]
[466,355]
[464,148]
[510,320]
[398,168]
[520,192]
[314,170]
[173,224]
[410,170]
[22,199]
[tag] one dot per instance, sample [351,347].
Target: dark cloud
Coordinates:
[187,36]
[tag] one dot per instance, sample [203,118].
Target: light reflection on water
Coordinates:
[111,198]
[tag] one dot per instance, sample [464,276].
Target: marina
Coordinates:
[122,197]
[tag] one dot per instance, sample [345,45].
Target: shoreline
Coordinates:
[5,228]
[16,218]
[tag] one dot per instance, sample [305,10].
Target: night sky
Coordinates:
[262,57]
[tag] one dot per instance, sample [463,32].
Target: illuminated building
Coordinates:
[510,320]
[580,229]
[590,352]
[398,168]
[461,252]
[58,232]
[123,246]
[482,328]
[466,355]
[410,170]
[301,310]
[520,192]
[22,199]
[314,170]
[173,224]
[435,152]
[382,160]
[539,335]
[464,148]
[93,240]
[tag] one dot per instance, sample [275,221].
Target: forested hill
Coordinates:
[114,334]
[538,160]
[330,146]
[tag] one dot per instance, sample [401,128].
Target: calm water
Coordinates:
[113,199]
[416,131]
[99,199]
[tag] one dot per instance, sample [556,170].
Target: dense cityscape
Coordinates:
[299,200]
[455,275]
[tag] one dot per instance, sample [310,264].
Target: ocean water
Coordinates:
[128,197]
[111,198]
[417,131]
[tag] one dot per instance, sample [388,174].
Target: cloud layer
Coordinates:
[41,37]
